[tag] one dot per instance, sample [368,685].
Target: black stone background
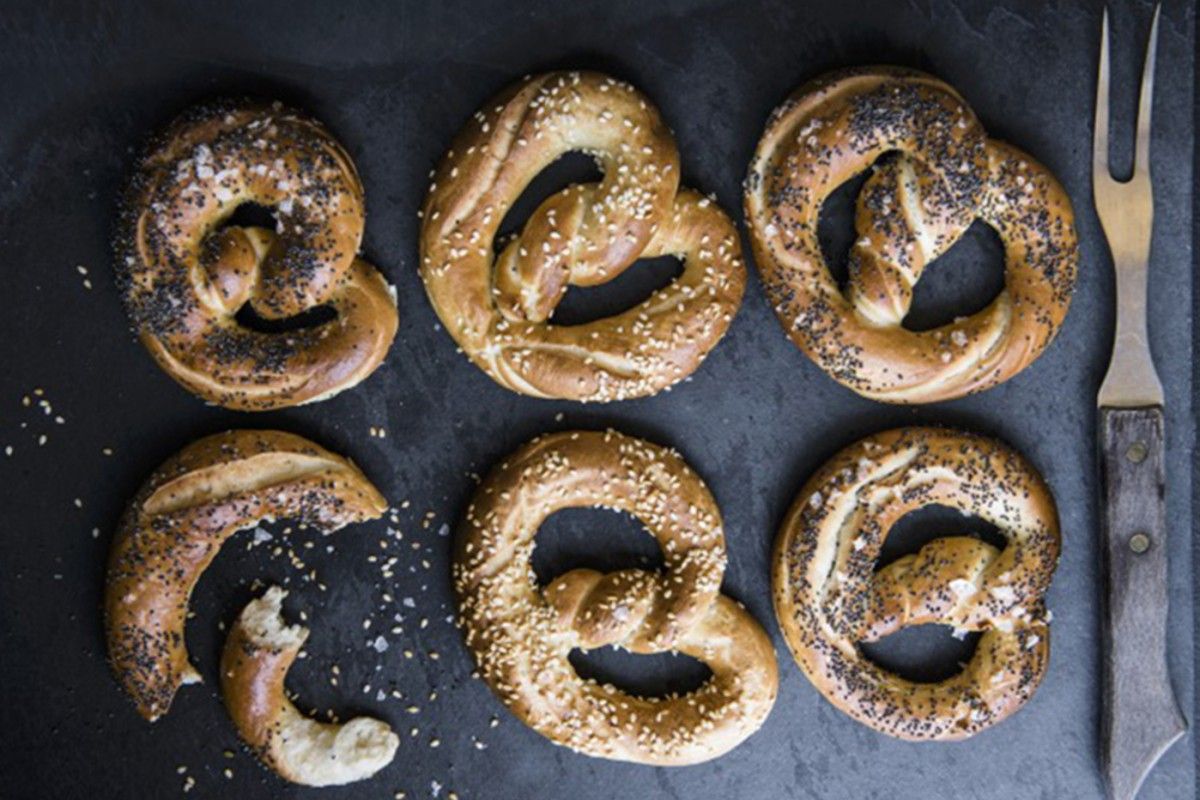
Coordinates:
[84,84]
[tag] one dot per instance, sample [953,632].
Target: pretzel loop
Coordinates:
[829,598]
[185,278]
[522,636]
[498,307]
[945,173]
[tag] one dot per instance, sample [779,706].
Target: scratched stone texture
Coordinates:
[85,83]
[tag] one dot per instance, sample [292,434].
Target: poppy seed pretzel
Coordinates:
[258,653]
[828,597]
[176,524]
[521,636]
[910,211]
[185,277]
[497,307]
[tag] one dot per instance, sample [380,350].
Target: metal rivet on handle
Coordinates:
[1137,452]
[1139,543]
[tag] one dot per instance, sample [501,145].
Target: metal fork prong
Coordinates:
[1100,131]
[1141,159]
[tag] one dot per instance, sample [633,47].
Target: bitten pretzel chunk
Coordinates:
[828,597]
[521,636]
[947,173]
[497,307]
[185,274]
[258,653]
[178,521]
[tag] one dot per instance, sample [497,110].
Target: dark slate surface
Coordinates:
[395,81]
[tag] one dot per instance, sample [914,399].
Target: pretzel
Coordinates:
[184,277]
[521,636]
[828,597]
[497,307]
[909,212]
[178,521]
[254,664]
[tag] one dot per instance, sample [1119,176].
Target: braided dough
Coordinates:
[910,211]
[497,307]
[521,635]
[185,278]
[254,664]
[828,597]
[177,523]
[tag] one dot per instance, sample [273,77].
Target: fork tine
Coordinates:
[1141,160]
[1100,130]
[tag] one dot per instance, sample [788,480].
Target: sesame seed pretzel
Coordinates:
[497,307]
[185,277]
[175,526]
[521,636]
[910,211]
[828,597]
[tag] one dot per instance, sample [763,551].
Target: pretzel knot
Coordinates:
[829,598]
[910,211]
[186,274]
[498,307]
[521,636]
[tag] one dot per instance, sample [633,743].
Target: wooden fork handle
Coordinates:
[1141,717]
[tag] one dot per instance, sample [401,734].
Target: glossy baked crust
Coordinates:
[947,174]
[176,524]
[828,597]
[498,306]
[185,275]
[521,635]
[258,652]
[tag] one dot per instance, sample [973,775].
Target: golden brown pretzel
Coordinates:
[828,597]
[497,307]
[254,664]
[178,521]
[184,277]
[521,636]
[909,212]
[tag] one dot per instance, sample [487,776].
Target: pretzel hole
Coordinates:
[583,304]
[592,538]
[922,653]
[921,526]
[835,224]
[249,215]
[960,282]
[570,168]
[313,317]
[650,675]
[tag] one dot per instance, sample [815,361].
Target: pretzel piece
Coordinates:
[258,652]
[176,524]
